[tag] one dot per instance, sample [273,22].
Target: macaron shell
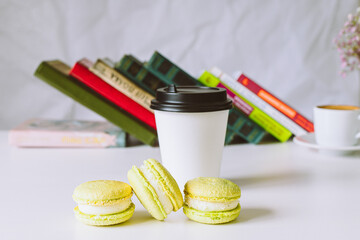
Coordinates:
[146,193]
[167,182]
[212,217]
[105,220]
[212,189]
[101,192]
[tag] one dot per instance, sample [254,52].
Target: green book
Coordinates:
[134,70]
[169,72]
[240,125]
[56,74]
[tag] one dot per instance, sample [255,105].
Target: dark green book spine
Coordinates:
[169,72]
[241,125]
[134,70]
[55,73]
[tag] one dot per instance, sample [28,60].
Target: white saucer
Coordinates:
[308,140]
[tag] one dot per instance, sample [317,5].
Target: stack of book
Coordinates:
[121,92]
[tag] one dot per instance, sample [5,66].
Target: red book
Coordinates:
[82,73]
[276,103]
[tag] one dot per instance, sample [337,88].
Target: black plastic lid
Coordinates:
[190,99]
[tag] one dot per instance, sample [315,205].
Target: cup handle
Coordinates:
[357,135]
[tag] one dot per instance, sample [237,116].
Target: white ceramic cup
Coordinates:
[191,124]
[337,125]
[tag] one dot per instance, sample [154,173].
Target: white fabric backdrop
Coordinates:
[286,46]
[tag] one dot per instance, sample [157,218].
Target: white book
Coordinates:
[258,102]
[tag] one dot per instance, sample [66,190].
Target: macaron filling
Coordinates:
[210,206]
[117,207]
[163,198]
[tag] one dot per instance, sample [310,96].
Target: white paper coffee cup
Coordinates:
[191,123]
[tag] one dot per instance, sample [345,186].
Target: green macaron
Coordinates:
[211,200]
[103,202]
[156,189]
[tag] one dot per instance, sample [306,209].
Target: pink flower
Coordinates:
[348,43]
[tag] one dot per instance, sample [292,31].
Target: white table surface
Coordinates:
[288,192]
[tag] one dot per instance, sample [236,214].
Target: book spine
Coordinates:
[121,83]
[66,139]
[255,114]
[229,136]
[276,103]
[52,73]
[242,126]
[134,70]
[249,96]
[238,122]
[168,71]
[81,72]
